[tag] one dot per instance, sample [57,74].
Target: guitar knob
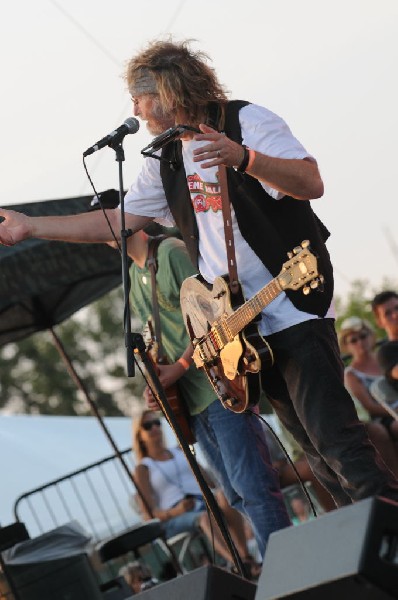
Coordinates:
[231,401]
[321,279]
[306,290]
[297,250]
[249,358]
[314,284]
[305,243]
[290,254]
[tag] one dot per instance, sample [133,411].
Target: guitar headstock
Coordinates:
[301,269]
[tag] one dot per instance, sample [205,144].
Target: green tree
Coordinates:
[35,379]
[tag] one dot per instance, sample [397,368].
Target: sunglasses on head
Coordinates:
[149,424]
[356,338]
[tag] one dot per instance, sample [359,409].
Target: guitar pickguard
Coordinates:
[204,305]
[234,370]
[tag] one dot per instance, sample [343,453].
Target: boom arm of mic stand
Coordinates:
[156,386]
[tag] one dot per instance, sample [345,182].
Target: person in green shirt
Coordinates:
[173,266]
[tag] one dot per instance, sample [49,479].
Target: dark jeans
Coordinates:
[306,390]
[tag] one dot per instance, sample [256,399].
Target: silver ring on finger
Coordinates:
[218,154]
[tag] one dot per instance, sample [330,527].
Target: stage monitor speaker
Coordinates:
[347,554]
[205,583]
[60,579]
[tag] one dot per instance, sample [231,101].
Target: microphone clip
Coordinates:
[165,138]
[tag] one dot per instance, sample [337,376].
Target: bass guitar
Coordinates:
[172,393]
[227,343]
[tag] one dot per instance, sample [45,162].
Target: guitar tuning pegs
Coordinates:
[297,249]
[305,243]
[314,284]
[306,290]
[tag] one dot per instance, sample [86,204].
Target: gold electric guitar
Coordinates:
[227,344]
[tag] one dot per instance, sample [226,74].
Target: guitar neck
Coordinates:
[239,319]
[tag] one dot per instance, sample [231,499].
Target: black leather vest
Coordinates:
[270,227]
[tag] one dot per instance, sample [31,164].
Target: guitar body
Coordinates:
[234,370]
[226,341]
[172,394]
[179,409]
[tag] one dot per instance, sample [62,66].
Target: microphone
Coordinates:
[163,139]
[167,136]
[130,125]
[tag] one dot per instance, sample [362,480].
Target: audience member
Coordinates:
[138,576]
[357,339]
[300,509]
[171,491]
[385,388]
[385,310]
[287,473]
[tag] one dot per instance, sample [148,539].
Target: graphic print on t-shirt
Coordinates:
[205,196]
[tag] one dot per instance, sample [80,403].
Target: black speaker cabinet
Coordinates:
[61,579]
[347,554]
[205,583]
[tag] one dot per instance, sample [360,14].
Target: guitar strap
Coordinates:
[228,232]
[152,265]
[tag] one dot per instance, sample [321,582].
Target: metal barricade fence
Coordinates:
[99,496]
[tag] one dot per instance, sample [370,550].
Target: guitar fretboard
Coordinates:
[250,309]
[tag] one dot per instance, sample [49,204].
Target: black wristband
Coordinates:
[245,161]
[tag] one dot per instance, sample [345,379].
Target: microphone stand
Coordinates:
[128,336]
[124,234]
[135,344]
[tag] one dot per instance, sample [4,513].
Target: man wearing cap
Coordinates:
[271,179]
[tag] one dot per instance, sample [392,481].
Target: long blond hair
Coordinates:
[139,447]
[185,83]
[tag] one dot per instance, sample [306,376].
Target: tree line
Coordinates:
[34,378]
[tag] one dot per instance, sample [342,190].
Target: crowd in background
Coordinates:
[371,372]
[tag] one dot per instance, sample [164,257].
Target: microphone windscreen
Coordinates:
[132,124]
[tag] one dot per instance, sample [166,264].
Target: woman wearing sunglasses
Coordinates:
[357,340]
[172,492]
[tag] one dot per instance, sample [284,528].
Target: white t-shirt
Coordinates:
[264,131]
[171,479]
